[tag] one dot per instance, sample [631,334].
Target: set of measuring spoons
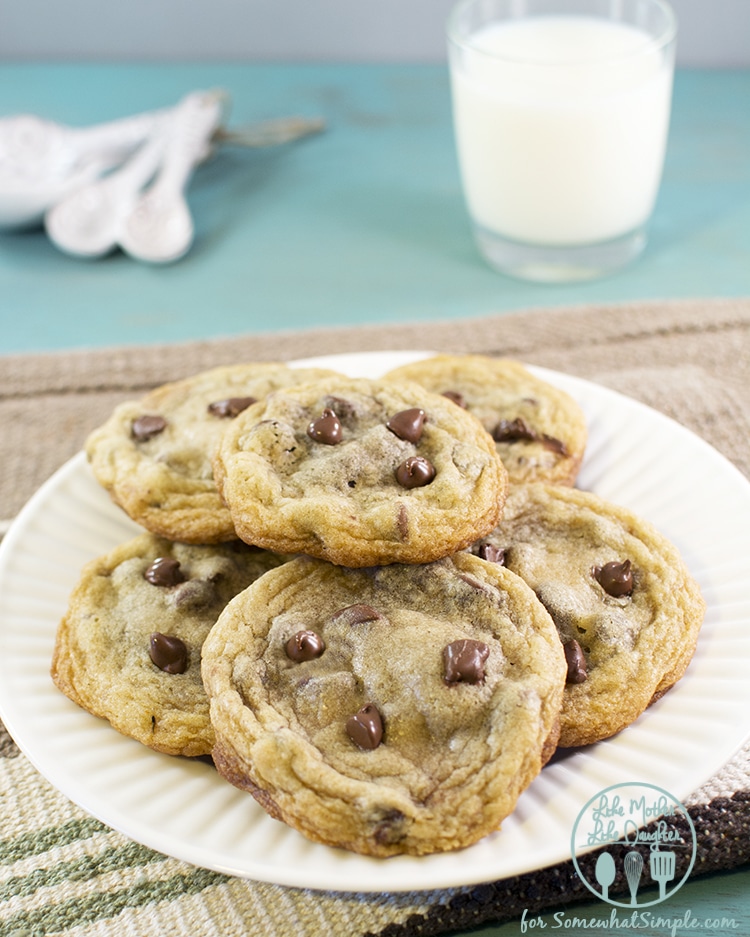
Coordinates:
[122,183]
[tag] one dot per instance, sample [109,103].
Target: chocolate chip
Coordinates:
[517,429]
[513,430]
[491,553]
[168,653]
[415,472]
[576,662]
[555,445]
[326,429]
[305,645]
[344,409]
[164,571]
[456,397]
[146,426]
[615,578]
[230,407]
[390,828]
[358,614]
[365,728]
[408,424]
[464,661]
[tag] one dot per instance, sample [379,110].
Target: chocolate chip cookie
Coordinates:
[397,709]
[129,646]
[540,431]
[360,473]
[627,609]
[154,455]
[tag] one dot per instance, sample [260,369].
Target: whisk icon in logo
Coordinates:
[642,836]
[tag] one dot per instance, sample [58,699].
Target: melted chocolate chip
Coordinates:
[576,661]
[389,828]
[555,445]
[343,408]
[164,571]
[326,429]
[196,593]
[358,614]
[168,653]
[146,426]
[230,407]
[415,472]
[615,578]
[512,431]
[517,430]
[408,424]
[456,397]
[491,553]
[402,522]
[365,728]
[464,661]
[305,645]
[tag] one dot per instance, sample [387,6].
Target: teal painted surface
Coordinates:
[363,224]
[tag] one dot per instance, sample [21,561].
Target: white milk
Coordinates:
[561,126]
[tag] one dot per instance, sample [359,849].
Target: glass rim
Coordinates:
[660,41]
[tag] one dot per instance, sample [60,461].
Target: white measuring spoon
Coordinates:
[41,161]
[87,223]
[159,227]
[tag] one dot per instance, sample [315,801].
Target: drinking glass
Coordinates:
[561,114]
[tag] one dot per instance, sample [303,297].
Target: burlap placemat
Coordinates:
[62,872]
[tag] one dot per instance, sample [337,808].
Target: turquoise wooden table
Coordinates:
[364,223]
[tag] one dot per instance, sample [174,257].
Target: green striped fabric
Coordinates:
[78,878]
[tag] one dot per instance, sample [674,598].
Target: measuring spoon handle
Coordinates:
[196,120]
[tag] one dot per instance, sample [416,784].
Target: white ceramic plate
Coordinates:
[636,457]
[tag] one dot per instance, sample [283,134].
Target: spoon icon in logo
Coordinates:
[605,872]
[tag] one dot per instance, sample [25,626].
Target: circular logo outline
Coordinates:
[601,894]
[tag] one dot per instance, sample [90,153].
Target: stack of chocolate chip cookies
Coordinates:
[380,605]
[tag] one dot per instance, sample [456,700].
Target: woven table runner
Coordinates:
[63,872]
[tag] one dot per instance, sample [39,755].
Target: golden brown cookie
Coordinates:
[129,646]
[398,709]
[154,455]
[360,473]
[627,609]
[540,431]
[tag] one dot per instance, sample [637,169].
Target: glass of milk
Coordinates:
[561,113]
